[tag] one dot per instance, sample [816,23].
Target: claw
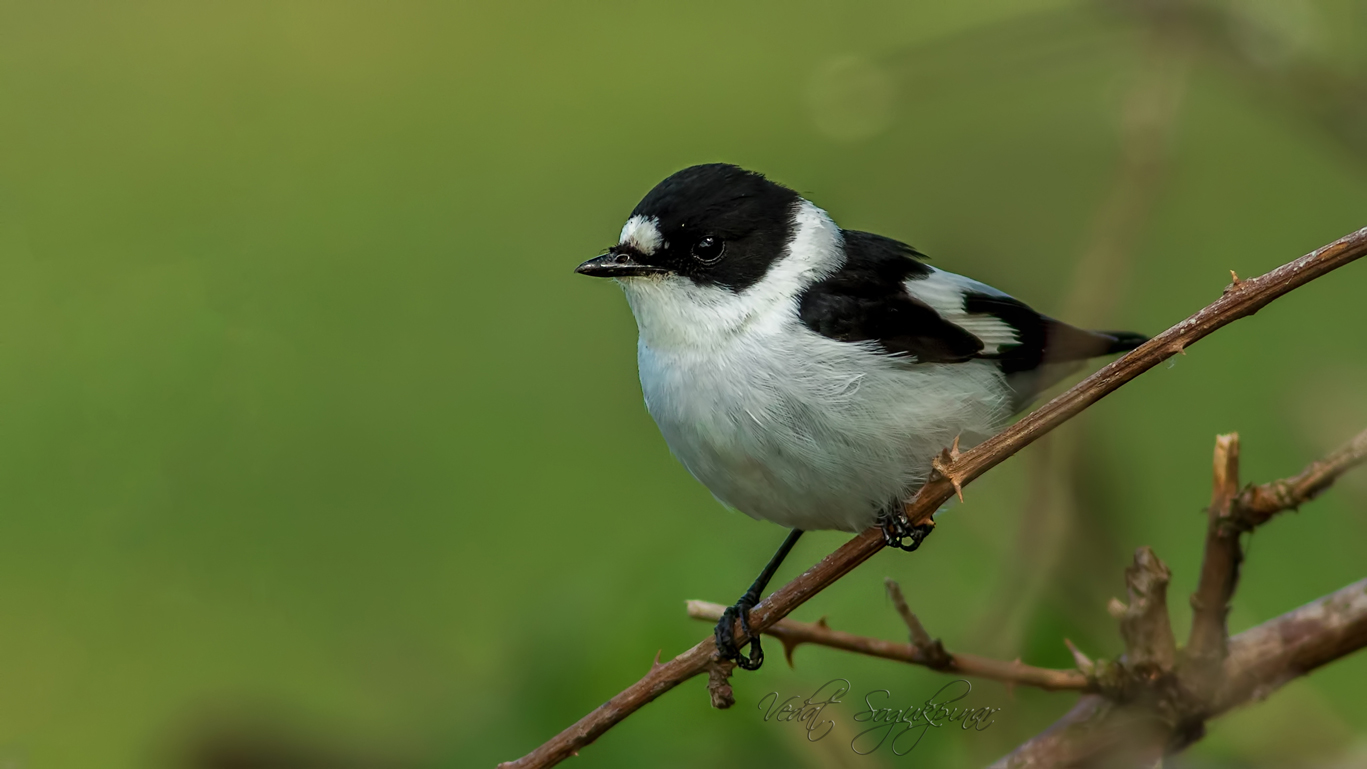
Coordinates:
[756,652]
[726,643]
[897,530]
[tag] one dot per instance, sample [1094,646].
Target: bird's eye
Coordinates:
[709,250]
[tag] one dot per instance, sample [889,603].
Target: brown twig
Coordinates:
[917,631]
[1206,647]
[1257,504]
[1260,661]
[1150,648]
[793,634]
[1144,712]
[1264,658]
[719,683]
[1233,512]
[1237,302]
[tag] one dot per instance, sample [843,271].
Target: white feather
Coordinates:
[642,233]
[945,293]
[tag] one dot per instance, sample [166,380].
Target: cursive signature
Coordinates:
[808,711]
[900,728]
[913,721]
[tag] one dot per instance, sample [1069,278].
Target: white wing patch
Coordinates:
[945,293]
[643,234]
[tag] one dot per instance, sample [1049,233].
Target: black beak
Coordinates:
[617,265]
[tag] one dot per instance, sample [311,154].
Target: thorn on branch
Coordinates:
[791,642]
[820,633]
[1083,662]
[944,465]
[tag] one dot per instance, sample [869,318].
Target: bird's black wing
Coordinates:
[867,300]
[884,294]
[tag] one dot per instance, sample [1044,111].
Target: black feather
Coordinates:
[1042,339]
[866,300]
[1124,340]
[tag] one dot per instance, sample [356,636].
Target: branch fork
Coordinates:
[1157,699]
[934,651]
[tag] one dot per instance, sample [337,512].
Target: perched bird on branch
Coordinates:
[810,375]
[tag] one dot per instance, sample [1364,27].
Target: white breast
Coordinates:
[813,433]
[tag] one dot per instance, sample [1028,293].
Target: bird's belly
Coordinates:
[814,446]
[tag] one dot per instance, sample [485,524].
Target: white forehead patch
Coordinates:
[643,234]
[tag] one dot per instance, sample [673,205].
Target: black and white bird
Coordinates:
[809,375]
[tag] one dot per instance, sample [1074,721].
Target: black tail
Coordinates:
[1123,341]
[1065,350]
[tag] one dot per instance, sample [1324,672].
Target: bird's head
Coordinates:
[713,224]
[714,245]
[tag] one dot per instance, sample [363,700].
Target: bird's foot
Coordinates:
[899,533]
[944,465]
[726,642]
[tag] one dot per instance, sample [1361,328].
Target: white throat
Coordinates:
[673,312]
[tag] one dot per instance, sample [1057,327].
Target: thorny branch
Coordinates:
[1233,512]
[1260,661]
[1240,300]
[793,634]
[1256,504]
[1155,701]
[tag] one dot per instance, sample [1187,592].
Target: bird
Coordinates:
[810,375]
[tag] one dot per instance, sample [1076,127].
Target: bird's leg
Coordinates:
[726,643]
[897,530]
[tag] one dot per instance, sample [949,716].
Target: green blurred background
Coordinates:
[313,449]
